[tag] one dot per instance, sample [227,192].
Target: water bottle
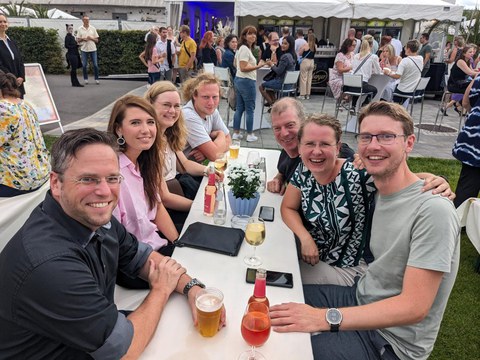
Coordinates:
[262,166]
[220,213]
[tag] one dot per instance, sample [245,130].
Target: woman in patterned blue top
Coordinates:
[337,200]
[467,146]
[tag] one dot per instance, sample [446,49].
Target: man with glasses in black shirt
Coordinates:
[59,270]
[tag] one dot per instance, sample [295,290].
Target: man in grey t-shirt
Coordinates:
[425,52]
[207,134]
[397,306]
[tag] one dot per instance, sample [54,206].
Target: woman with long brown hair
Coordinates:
[245,82]
[140,209]
[151,59]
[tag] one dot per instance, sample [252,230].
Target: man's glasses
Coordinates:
[383,139]
[94,181]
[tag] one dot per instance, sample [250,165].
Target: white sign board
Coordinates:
[38,94]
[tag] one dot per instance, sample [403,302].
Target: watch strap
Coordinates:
[192,283]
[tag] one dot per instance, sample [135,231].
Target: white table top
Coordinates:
[176,337]
[469,213]
[380,81]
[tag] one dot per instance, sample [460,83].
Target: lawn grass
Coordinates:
[49,140]
[459,336]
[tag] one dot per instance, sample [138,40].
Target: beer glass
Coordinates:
[255,329]
[234,149]
[209,303]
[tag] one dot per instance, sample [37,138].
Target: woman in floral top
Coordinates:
[343,64]
[24,159]
[337,201]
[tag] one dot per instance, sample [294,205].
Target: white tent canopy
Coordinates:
[292,8]
[406,9]
[352,9]
[59,14]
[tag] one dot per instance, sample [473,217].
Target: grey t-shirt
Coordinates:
[414,229]
[199,129]
[426,49]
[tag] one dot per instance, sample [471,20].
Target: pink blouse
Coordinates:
[132,209]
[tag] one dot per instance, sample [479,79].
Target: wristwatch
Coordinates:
[192,283]
[334,318]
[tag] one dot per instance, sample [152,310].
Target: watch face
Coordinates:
[334,316]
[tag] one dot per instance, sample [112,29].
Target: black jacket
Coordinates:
[14,66]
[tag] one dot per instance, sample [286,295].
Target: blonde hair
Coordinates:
[190,87]
[366,47]
[175,135]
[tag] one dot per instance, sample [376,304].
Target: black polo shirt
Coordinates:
[57,283]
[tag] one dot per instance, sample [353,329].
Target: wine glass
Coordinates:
[253,158]
[221,162]
[255,329]
[254,235]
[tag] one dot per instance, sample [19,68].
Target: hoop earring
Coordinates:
[121,140]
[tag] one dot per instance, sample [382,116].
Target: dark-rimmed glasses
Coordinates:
[382,139]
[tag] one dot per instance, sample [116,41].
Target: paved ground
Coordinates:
[91,105]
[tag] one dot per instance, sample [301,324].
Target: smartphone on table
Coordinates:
[267,213]
[274,278]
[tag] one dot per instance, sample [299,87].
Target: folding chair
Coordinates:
[223,74]
[354,81]
[291,79]
[418,94]
[208,68]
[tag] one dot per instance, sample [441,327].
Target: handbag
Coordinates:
[232,98]
[189,184]
[300,58]
[270,76]
[219,239]
[174,187]
[458,86]
[184,184]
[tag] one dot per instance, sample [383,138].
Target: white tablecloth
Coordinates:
[14,211]
[176,337]
[380,81]
[469,213]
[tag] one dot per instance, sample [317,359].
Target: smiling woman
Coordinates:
[177,169]
[133,121]
[335,198]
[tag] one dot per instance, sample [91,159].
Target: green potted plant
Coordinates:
[243,195]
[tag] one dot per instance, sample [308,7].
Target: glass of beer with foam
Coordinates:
[234,149]
[209,303]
